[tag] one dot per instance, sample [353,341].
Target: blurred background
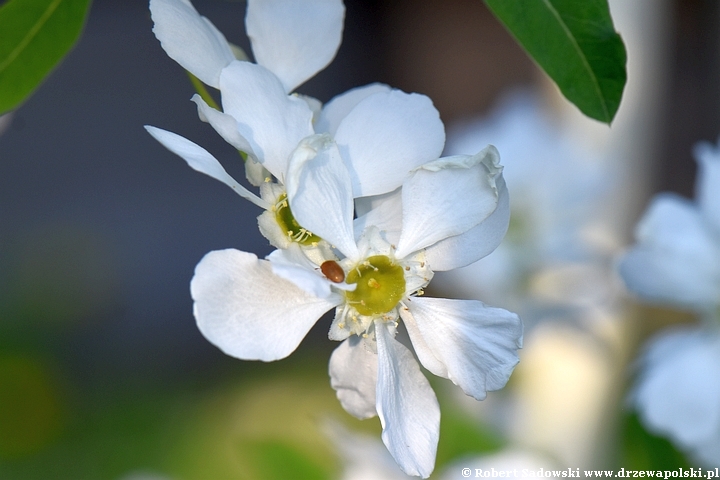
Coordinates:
[103,373]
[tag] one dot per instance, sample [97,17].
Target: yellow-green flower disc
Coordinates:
[290,226]
[380,285]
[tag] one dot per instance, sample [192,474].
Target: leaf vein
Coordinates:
[581,54]
[32,33]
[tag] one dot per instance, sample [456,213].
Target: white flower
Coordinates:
[293,39]
[678,390]
[677,261]
[453,210]
[416,213]
[370,124]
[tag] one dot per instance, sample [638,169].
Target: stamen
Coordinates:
[380,286]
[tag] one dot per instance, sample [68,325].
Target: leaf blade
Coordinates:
[575,43]
[35,36]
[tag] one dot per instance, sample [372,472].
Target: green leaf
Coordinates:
[577,46]
[34,36]
[644,451]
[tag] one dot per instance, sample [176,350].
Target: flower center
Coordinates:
[290,226]
[380,285]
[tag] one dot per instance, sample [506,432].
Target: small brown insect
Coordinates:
[332,271]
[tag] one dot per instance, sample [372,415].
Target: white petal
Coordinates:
[678,393]
[423,351]
[320,192]
[385,136]
[364,205]
[292,265]
[292,39]
[202,161]
[337,333]
[247,311]
[478,242]
[448,197]
[339,107]
[477,344]
[708,183]
[227,127]
[314,104]
[676,259]
[190,39]
[256,174]
[353,375]
[273,122]
[407,407]
[382,211]
[224,124]
[270,229]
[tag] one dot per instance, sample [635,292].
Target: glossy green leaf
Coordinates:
[575,43]
[34,36]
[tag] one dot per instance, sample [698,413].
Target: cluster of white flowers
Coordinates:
[677,261]
[362,211]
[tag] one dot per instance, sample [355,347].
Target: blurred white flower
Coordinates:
[561,395]
[677,261]
[449,212]
[677,256]
[365,459]
[556,236]
[555,266]
[678,390]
